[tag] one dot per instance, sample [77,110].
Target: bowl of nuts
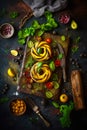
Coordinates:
[18,106]
[6,30]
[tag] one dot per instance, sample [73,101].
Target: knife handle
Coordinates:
[44,120]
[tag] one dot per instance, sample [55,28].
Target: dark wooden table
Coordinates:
[78,9]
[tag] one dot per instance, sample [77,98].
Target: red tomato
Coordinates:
[57,63]
[48,40]
[49,85]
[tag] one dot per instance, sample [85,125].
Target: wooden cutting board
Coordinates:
[40,89]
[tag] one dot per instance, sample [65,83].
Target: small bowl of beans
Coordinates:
[6,30]
[18,106]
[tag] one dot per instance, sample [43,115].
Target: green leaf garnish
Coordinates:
[55,104]
[52,65]
[60,56]
[13,14]
[30,44]
[40,28]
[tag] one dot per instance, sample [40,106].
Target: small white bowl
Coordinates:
[6,30]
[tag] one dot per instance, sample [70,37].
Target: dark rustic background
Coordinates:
[78,9]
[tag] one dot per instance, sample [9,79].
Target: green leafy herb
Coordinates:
[30,44]
[13,14]
[60,56]
[52,65]
[65,118]
[40,28]
[35,24]
[30,62]
[39,50]
[55,77]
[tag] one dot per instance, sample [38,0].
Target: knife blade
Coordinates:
[35,108]
[63,61]
[22,65]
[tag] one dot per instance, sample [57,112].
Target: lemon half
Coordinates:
[10,72]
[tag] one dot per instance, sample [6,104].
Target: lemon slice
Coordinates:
[11,72]
[14,52]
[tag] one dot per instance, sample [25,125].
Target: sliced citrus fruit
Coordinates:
[14,52]
[11,72]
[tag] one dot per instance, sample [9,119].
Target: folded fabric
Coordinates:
[39,6]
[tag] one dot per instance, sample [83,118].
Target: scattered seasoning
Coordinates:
[54,32]
[16,93]
[5,89]
[83,55]
[54,111]
[33,119]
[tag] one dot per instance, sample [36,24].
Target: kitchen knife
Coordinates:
[63,61]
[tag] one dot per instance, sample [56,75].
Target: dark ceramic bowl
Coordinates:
[6,30]
[18,106]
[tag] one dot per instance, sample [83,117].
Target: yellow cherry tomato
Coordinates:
[63,98]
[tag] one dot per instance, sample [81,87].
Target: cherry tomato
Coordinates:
[49,85]
[57,63]
[48,40]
